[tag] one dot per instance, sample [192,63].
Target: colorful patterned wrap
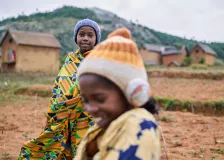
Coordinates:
[134,135]
[67,121]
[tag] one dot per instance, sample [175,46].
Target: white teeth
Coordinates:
[98,119]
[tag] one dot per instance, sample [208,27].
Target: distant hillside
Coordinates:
[61,22]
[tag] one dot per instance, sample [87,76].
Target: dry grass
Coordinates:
[192,69]
[11,82]
[188,89]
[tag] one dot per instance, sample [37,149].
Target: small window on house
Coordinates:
[10,40]
[11,56]
[197,51]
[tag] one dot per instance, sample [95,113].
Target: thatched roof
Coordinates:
[32,39]
[172,50]
[207,49]
[164,50]
[153,47]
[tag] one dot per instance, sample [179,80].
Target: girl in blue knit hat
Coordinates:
[86,35]
[67,121]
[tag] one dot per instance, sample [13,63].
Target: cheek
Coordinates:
[78,40]
[116,106]
[93,40]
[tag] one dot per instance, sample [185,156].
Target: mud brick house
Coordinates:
[172,55]
[201,51]
[162,55]
[151,54]
[29,52]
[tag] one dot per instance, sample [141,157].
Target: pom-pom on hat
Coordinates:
[118,59]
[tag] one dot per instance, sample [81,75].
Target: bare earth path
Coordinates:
[188,136]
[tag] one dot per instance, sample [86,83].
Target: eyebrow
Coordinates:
[93,94]
[87,31]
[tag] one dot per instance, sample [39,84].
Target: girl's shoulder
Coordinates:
[75,57]
[73,54]
[138,115]
[135,133]
[134,122]
[140,119]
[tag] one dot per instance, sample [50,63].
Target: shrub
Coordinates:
[167,103]
[187,61]
[186,103]
[202,61]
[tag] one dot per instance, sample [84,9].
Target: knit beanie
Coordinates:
[118,59]
[90,23]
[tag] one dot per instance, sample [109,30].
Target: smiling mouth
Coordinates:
[98,119]
[85,44]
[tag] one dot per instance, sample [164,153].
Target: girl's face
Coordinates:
[102,99]
[86,38]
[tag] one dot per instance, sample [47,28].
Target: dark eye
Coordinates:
[100,99]
[81,34]
[84,100]
[90,35]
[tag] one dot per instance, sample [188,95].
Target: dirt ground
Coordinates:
[191,136]
[187,135]
[180,88]
[185,89]
[20,121]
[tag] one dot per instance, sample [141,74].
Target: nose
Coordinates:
[85,38]
[92,109]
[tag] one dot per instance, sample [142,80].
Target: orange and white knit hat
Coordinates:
[118,59]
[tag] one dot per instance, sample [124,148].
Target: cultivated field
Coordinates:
[188,135]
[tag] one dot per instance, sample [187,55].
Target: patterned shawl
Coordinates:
[133,135]
[67,121]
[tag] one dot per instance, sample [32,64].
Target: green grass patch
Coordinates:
[195,68]
[192,106]
[218,105]
[186,103]
[9,96]
[164,119]
[13,85]
[5,155]
[199,66]
[16,80]
[217,151]
[32,92]
[167,103]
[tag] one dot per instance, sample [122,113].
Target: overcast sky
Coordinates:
[201,19]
